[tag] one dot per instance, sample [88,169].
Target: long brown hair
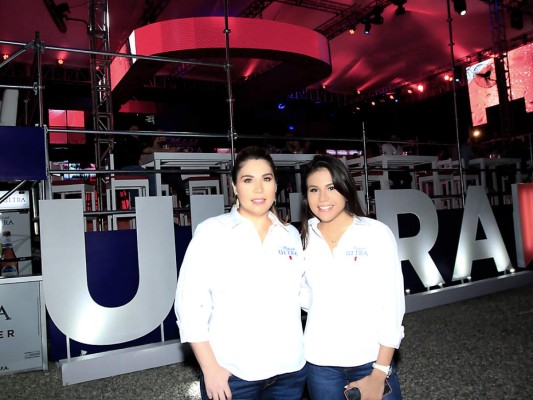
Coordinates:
[343,183]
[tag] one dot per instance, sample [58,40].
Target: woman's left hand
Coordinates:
[371,386]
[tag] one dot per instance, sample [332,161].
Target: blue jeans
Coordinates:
[288,386]
[327,383]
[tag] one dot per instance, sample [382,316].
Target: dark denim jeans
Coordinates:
[327,383]
[280,387]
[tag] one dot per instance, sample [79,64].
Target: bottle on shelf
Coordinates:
[9,265]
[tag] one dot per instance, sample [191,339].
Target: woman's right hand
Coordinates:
[216,383]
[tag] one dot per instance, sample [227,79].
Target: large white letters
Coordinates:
[477,206]
[67,296]
[391,203]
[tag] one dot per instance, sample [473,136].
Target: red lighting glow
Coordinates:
[525,199]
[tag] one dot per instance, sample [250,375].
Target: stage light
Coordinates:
[420,88]
[351,31]
[409,91]
[282,106]
[58,13]
[5,56]
[459,6]
[368,26]
[373,103]
[324,87]
[60,61]
[447,77]
[400,10]
[476,133]
[376,17]
[391,96]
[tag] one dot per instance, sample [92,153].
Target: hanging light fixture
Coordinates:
[459,6]
[376,17]
[367,24]
[400,10]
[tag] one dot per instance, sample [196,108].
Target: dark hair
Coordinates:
[253,153]
[343,183]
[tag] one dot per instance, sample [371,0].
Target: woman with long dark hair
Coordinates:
[354,296]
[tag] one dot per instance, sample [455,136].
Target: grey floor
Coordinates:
[476,349]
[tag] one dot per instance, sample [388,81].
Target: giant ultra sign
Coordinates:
[80,318]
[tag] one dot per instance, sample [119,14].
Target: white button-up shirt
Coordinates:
[242,295]
[354,295]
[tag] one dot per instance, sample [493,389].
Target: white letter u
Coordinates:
[67,296]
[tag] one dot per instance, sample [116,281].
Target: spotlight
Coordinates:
[368,25]
[400,10]
[60,61]
[459,6]
[351,31]
[420,88]
[376,17]
[5,56]
[58,13]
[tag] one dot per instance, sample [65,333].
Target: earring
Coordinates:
[237,204]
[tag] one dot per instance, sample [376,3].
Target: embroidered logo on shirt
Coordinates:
[357,252]
[288,251]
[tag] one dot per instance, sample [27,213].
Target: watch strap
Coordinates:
[386,369]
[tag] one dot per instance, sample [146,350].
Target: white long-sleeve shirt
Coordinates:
[242,295]
[354,295]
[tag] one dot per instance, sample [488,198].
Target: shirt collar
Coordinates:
[313,222]
[234,219]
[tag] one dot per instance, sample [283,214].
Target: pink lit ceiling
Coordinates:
[404,48]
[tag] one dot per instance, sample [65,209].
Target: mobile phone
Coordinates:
[352,394]
[355,394]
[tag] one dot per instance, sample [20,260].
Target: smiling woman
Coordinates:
[248,342]
[352,268]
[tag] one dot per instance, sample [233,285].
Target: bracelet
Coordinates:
[387,370]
